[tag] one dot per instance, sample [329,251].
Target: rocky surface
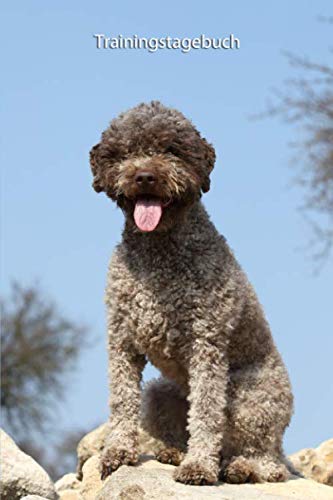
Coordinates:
[313,464]
[33,497]
[20,474]
[68,482]
[71,495]
[91,481]
[152,480]
[316,463]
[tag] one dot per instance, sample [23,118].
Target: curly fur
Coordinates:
[178,297]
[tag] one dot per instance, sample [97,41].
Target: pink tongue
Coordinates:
[147,214]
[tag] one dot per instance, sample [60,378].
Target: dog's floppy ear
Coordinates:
[97,185]
[210,157]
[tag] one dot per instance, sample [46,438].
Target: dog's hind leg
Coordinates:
[164,416]
[259,410]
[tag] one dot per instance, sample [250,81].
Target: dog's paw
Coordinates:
[170,455]
[195,472]
[112,458]
[276,473]
[239,471]
[247,470]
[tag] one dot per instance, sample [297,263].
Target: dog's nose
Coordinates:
[145,178]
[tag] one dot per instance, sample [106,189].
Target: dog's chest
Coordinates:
[163,318]
[158,303]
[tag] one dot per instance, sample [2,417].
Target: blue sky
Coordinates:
[60,92]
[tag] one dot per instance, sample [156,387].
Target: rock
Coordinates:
[91,482]
[316,463]
[90,445]
[21,475]
[297,488]
[67,482]
[33,497]
[153,480]
[147,444]
[93,443]
[70,495]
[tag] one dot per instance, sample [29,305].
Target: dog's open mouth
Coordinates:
[148,212]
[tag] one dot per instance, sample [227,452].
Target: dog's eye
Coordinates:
[171,150]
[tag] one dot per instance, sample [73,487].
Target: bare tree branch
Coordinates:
[307,101]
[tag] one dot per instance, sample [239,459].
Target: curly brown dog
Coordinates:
[176,296]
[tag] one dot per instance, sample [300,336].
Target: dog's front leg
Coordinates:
[121,445]
[207,398]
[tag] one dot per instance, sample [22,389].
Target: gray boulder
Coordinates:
[316,463]
[21,475]
[67,482]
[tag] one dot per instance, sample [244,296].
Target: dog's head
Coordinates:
[154,164]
